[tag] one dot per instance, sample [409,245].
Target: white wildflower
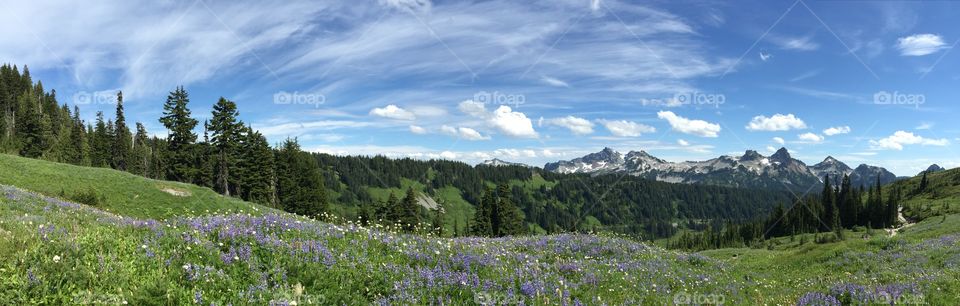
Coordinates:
[56,258]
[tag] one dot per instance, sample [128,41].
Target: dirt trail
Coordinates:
[904,223]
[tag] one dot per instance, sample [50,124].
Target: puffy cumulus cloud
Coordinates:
[682,142]
[771,149]
[920,44]
[810,138]
[393,112]
[576,125]
[901,138]
[689,126]
[623,128]
[779,140]
[836,130]
[777,122]
[511,123]
[463,133]
[473,108]
[417,130]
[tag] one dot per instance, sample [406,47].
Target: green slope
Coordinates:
[122,193]
[941,197]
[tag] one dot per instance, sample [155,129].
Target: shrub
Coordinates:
[90,197]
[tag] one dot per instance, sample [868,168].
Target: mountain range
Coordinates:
[751,170]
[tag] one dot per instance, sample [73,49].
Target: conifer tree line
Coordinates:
[496,215]
[836,208]
[231,158]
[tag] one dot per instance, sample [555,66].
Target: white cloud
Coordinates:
[623,128]
[771,149]
[682,142]
[795,43]
[448,155]
[925,126]
[810,138]
[514,124]
[836,130]
[294,129]
[463,133]
[576,125]
[687,126]
[777,122]
[417,130]
[393,112]
[554,82]
[471,134]
[920,44]
[901,138]
[778,140]
[549,153]
[515,153]
[473,108]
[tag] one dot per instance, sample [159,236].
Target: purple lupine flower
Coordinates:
[817,299]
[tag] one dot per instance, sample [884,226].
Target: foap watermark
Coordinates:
[684,298]
[500,98]
[96,97]
[297,98]
[699,99]
[898,98]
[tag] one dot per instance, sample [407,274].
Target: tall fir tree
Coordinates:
[79,149]
[100,143]
[510,216]
[31,127]
[122,138]
[482,225]
[410,216]
[181,138]
[256,168]
[224,137]
[299,181]
[139,161]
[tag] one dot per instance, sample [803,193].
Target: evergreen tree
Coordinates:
[410,217]
[122,138]
[390,210]
[438,223]
[181,138]
[139,162]
[510,217]
[225,135]
[31,127]
[78,147]
[299,181]
[481,225]
[255,168]
[923,183]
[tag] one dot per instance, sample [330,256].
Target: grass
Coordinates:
[56,252]
[122,193]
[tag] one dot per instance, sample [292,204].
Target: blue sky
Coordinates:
[525,81]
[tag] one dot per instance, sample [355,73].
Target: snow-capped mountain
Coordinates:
[605,161]
[499,162]
[831,167]
[752,169]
